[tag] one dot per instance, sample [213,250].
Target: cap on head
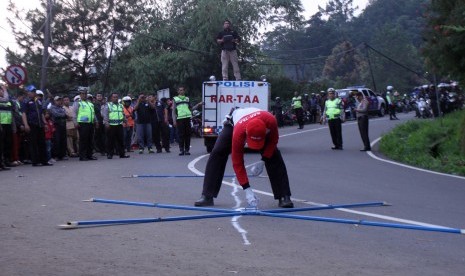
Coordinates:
[331,90]
[39,92]
[31,88]
[256,132]
[57,98]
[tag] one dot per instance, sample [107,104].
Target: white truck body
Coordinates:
[220,97]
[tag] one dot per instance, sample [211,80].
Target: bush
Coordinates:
[435,145]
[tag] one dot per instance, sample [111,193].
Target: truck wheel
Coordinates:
[382,111]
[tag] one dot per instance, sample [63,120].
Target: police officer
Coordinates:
[362,120]
[391,103]
[6,128]
[35,127]
[259,129]
[84,121]
[298,109]
[182,120]
[334,114]
[113,119]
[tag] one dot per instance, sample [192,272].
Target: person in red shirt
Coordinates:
[49,131]
[259,129]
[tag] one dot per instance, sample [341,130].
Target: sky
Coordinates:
[7,39]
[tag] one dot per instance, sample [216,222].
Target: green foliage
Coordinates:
[432,145]
[445,44]
[345,66]
[81,36]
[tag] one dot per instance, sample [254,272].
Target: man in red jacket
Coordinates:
[259,129]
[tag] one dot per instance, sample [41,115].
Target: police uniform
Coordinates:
[85,119]
[113,119]
[6,121]
[299,112]
[183,123]
[333,110]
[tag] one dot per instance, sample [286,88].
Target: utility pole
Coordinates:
[45,53]
[371,70]
[107,74]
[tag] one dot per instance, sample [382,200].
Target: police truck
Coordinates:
[220,97]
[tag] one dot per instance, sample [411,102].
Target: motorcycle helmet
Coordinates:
[195,113]
[126,99]
[331,90]
[389,88]
[277,99]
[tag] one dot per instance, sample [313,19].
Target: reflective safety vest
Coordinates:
[182,107]
[333,108]
[6,116]
[85,112]
[297,102]
[115,114]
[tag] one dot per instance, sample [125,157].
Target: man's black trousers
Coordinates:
[184,132]
[363,128]
[59,141]
[86,138]
[37,145]
[115,137]
[216,166]
[335,129]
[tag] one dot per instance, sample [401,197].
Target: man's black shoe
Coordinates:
[167,150]
[92,158]
[109,156]
[204,201]
[334,148]
[124,156]
[47,164]
[159,151]
[83,159]
[286,202]
[181,153]
[365,150]
[187,153]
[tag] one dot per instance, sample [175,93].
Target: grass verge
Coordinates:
[433,145]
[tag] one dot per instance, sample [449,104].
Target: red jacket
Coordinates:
[239,139]
[50,130]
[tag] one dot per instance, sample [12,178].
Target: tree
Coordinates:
[82,32]
[345,66]
[444,38]
[178,45]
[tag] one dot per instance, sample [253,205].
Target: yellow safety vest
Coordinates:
[333,108]
[297,102]
[115,114]
[182,107]
[86,112]
[6,117]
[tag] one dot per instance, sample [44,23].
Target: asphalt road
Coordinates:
[34,200]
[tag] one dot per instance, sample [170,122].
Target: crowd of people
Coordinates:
[38,129]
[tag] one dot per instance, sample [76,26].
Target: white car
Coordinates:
[377,105]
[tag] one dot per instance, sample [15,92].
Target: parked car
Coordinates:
[377,105]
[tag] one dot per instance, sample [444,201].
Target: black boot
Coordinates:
[286,202]
[204,201]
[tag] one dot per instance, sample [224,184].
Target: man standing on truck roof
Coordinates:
[259,129]
[228,40]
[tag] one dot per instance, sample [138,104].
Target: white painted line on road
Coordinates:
[372,155]
[191,167]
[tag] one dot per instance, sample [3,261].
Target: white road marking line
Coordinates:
[372,155]
[235,219]
[191,167]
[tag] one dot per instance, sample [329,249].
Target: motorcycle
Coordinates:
[196,124]
[424,109]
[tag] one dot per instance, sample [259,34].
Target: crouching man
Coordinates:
[259,129]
